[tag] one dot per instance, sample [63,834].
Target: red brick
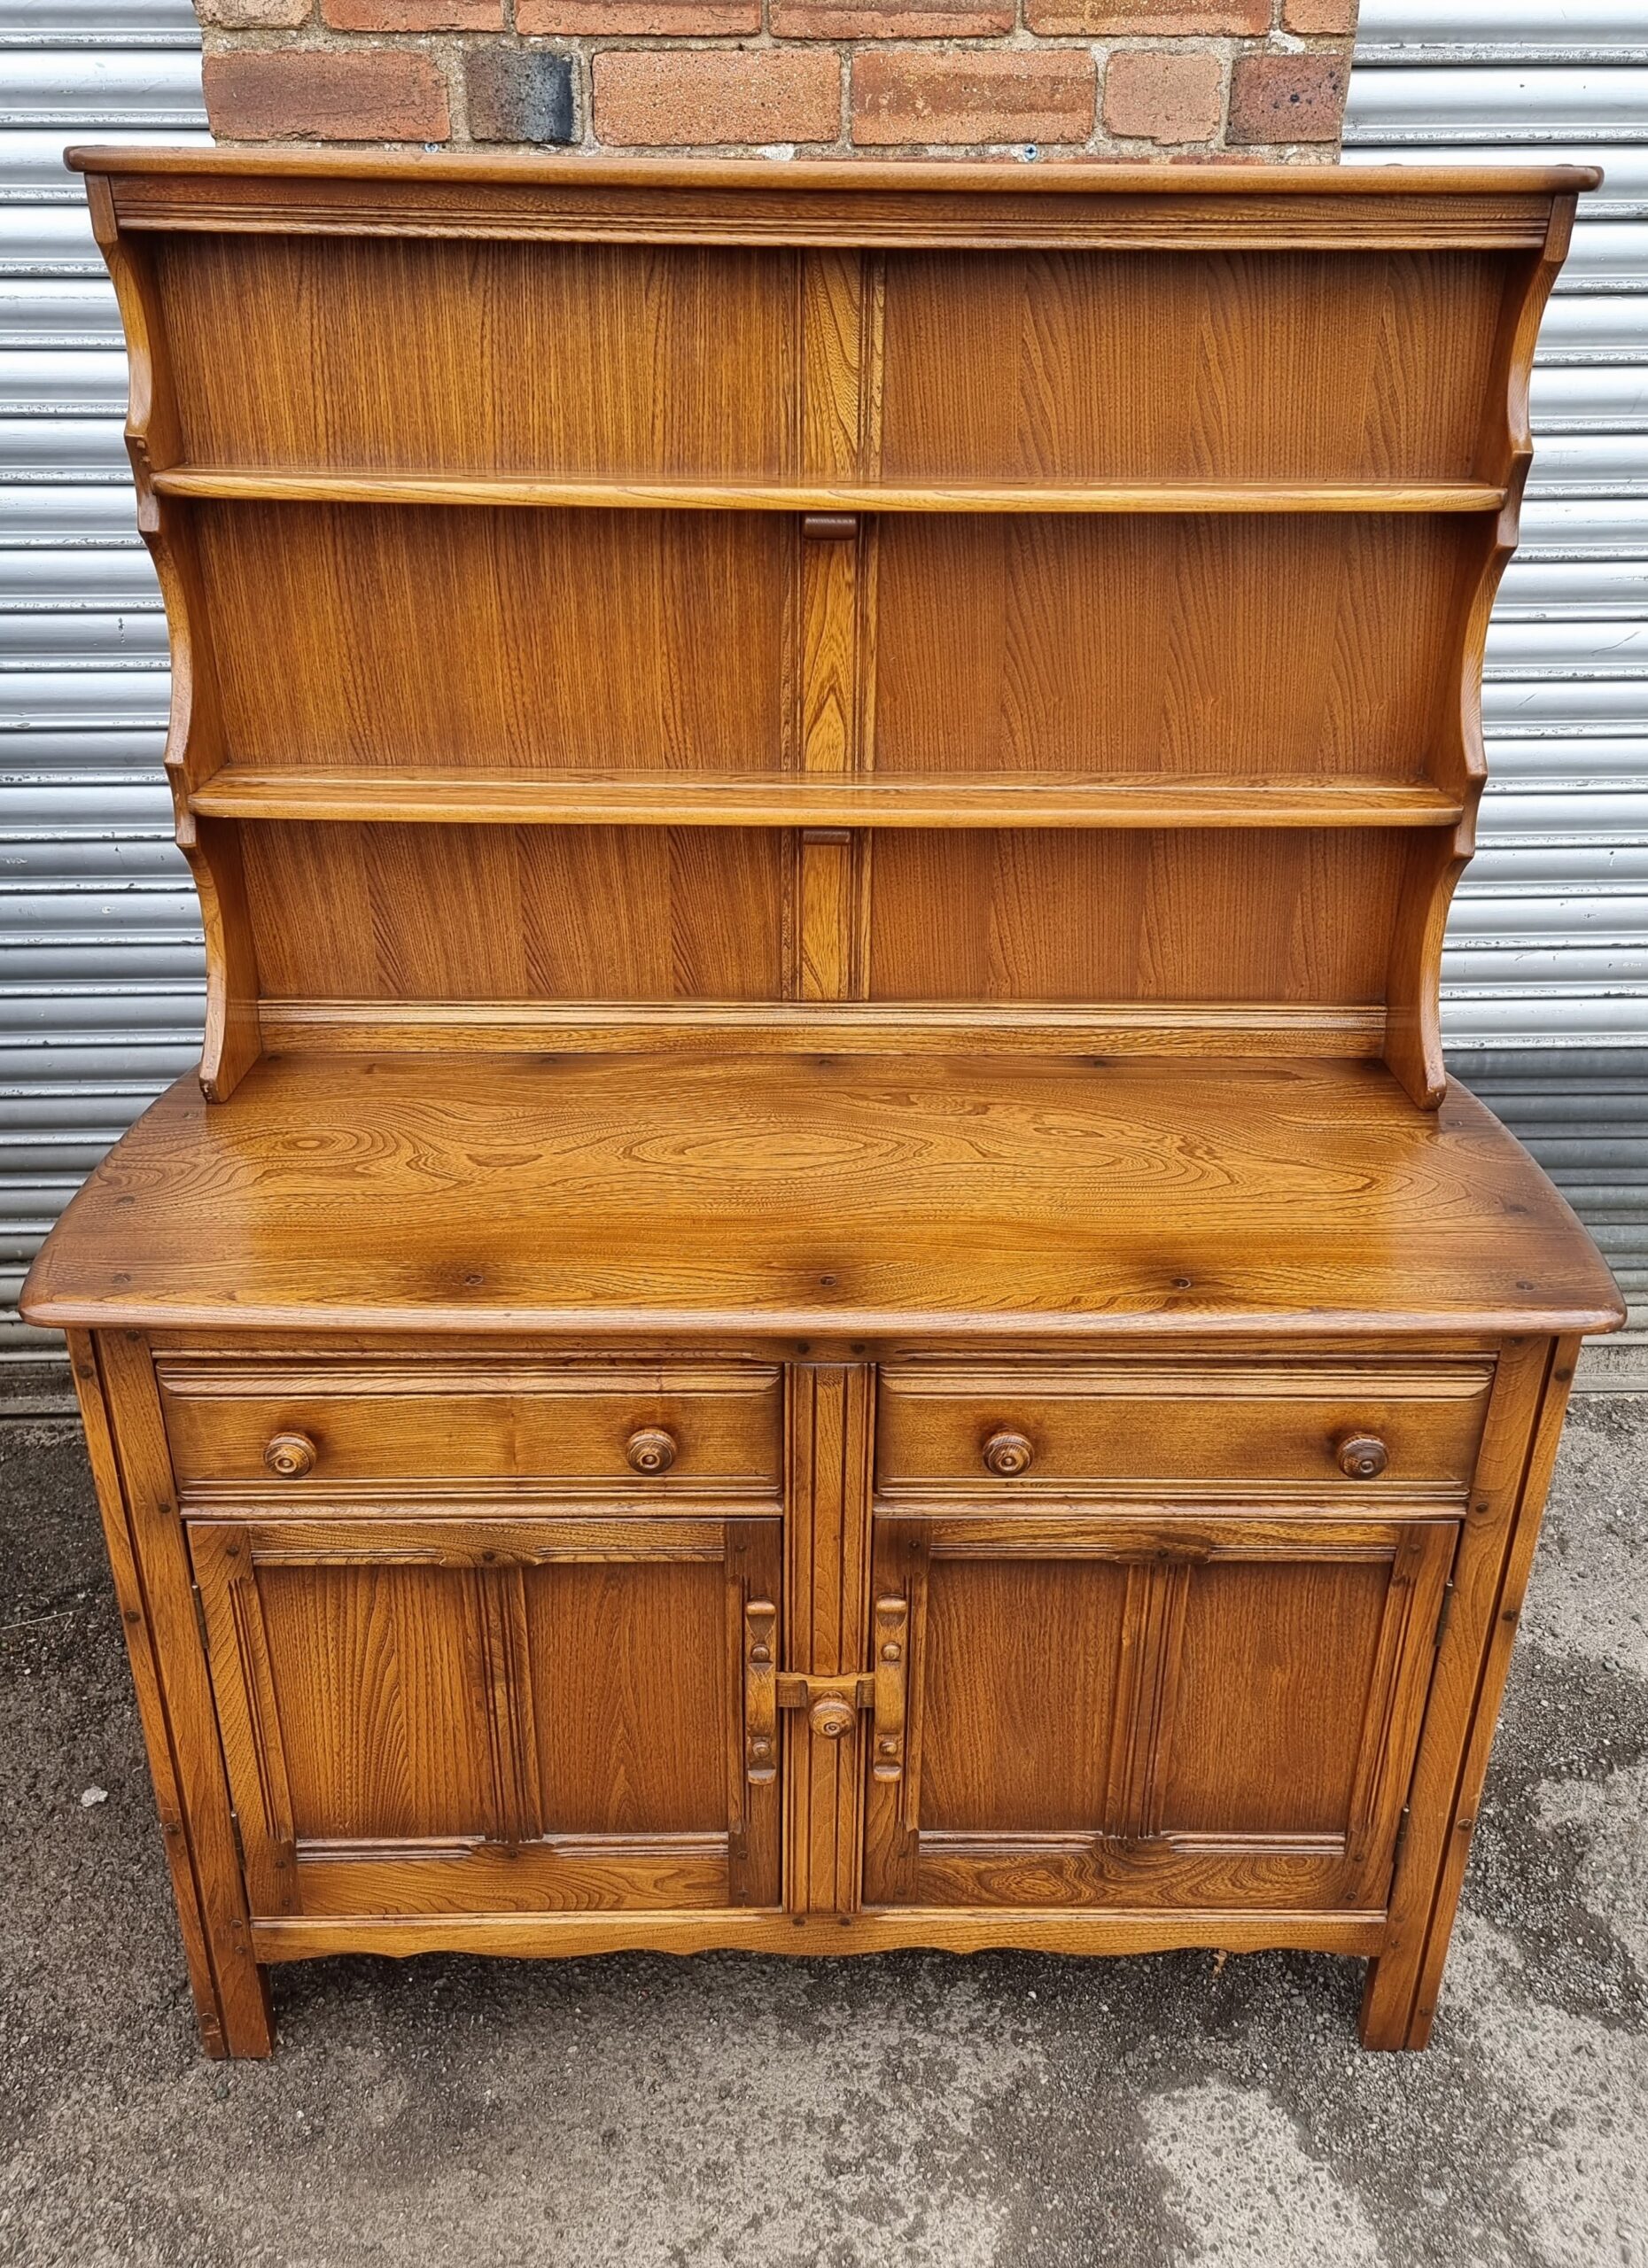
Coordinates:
[638,18]
[1279,98]
[1157,94]
[413,15]
[654,98]
[982,96]
[255,15]
[1114,19]
[864,20]
[1320,15]
[326,95]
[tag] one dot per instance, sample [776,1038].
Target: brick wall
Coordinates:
[1066,78]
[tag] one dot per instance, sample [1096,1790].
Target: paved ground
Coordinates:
[916,2110]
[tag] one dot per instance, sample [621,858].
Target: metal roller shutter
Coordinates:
[1547,972]
[100,989]
[1546,975]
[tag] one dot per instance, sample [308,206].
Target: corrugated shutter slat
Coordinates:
[100,989]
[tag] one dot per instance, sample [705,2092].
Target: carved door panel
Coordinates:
[451,1715]
[1109,1712]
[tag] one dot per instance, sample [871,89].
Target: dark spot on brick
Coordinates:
[519,94]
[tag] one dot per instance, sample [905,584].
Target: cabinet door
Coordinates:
[463,1715]
[1103,1711]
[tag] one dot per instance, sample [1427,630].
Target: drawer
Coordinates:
[296,1426]
[1361,1427]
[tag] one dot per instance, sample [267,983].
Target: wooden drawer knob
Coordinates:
[1363,1456]
[290,1456]
[651,1449]
[1008,1454]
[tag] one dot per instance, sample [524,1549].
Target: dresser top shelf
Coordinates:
[946,1196]
[326,163]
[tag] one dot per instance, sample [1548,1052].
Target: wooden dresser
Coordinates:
[822,1290]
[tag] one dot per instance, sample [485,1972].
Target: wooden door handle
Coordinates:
[892,1676]
[1362,1457]
[761,1692]
[1008,1454]
[290,1456]
[650,1450]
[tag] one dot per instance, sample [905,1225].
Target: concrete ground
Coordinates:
[918,2109]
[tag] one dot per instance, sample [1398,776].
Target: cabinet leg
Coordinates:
[231,1993]
[1392,2016]
[147,1556]
[237,2021]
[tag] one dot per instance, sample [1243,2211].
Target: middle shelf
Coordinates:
[818,799]
[1096,494]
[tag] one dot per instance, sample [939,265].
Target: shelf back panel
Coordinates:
[1196,644]
[391,912]
[462,639]
[1184,915]
[408,354]
[438,639]
[536,912]
[403,354]
[1231,365]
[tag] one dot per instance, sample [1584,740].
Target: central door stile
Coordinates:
[827,1626]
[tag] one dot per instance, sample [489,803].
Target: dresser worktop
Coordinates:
[977,1196]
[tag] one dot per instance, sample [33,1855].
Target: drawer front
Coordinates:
[637,1431]
[1362,1427]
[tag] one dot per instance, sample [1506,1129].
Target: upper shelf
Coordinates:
[755,799]
[233,484]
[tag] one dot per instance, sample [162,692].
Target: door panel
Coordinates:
[1276,1661]
[391,1742]
[632,1719]
[1154,1714]
[458,1714]
[1046,1652]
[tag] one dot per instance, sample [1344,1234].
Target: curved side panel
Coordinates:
[194,744]
[1413,1049]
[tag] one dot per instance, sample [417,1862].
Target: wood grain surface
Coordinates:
[612,1193]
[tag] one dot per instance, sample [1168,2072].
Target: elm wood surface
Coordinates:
[823,1024]
[707,1427]
[819,373]
[1192,487]
[1261,1685]
[738,799]
[611,1194]
[789,1314]
[227,485]
[511,1715]
[1106,644]
[1025,917]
